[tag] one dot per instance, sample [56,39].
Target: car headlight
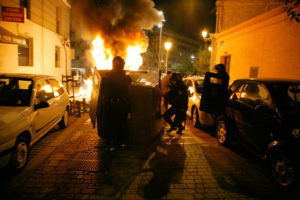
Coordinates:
[296,132]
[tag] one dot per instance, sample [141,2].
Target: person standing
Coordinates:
[177,97]
[116,104]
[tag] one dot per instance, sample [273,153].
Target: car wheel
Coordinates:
[20,154]
[64,121]
[282,170]
[195,117]
[222,132]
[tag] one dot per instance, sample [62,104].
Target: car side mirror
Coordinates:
[42,104]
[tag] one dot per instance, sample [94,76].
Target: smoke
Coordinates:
[119,22]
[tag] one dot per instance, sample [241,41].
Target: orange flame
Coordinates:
[103,55]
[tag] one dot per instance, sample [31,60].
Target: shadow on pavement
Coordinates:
[120,167]
[167,167]
[245,176]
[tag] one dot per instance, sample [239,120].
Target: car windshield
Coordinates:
[199,86]
[287,97]
[15,91]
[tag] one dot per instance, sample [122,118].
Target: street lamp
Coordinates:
[160,26]
[204,33]
[210,48]
[168,46]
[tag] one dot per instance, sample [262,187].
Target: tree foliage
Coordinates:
[292,13]
[202,61]
[186,67]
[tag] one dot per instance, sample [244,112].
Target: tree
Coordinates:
[292,13]
[202,61]
[186,67]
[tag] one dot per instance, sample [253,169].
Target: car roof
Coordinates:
[27,76]
[269,80]
[194,78]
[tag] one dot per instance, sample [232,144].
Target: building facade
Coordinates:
[183,49]
[39,45]
[264,46]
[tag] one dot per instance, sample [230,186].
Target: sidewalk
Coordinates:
[71,164]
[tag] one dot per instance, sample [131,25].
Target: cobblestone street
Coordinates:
[70,164]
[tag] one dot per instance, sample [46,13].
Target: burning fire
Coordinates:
[86,91]
[103,55]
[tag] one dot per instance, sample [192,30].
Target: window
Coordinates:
[25,53]
[26,4]
[15,91]
[58,19]
[236,90]
[255,94]
[199,86]
[57,87]
[190,88]
[57,56]
[44,91]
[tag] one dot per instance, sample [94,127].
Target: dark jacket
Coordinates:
[178,95]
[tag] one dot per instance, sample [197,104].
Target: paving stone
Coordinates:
[192,169]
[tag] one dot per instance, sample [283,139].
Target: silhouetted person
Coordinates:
[116,104]
[177,97]
[222,91]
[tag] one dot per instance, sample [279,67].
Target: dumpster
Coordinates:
[145,123]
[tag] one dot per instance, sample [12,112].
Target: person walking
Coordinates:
[116,104]
[177,97]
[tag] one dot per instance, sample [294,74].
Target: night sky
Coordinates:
[188,17]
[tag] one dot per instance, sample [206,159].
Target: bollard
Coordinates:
[78,108]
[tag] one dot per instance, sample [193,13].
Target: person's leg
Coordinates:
[167,116]
[123,131]
[179,119]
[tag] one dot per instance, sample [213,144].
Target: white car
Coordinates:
[30,105]
[195,87]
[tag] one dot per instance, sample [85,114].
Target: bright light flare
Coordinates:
[133,59]
[103,55]
[86,90]
[168,45]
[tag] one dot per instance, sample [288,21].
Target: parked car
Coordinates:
[30,105]
[264,116]
[195,88]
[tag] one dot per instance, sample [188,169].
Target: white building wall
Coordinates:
[44,43]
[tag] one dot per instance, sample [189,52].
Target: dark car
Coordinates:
[264,116]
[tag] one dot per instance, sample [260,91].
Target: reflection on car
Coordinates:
[195,88]
[30,105]
[264,116]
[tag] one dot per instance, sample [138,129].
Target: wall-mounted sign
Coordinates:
[12,14]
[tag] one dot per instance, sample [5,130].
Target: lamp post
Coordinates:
[168,46]
[159,50]
[65,42]
[209,37]
[204,34]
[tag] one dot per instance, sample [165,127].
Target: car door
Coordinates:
[214,96]
[60,98]
[44,117]
[253,116]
